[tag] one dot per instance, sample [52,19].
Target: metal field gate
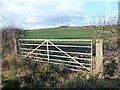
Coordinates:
[73,54]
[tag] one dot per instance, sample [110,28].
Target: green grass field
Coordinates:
[67,33]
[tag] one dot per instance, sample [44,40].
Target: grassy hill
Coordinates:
[19,72]
[68,33]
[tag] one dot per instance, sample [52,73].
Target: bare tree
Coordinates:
[10,35]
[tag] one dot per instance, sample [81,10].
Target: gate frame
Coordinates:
[49,41]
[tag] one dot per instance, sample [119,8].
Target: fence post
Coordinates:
[15,44]
[99,57]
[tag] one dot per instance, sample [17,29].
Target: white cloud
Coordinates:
[31,19]
[40,13]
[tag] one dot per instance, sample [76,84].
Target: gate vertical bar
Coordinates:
[47,50]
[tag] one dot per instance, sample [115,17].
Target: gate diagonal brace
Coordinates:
[35,49]
[67,54]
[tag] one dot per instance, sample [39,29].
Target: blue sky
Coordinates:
[53,13]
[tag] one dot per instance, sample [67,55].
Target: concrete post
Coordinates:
[99,56]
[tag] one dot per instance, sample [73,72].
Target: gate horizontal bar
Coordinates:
[57,45]
[56,40]
[89,69]
[59,56]
[57,51]
[59,60]
[63,64]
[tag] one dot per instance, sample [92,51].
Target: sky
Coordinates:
[33,14]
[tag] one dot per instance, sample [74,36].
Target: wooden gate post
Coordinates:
[15,43]
[99,57]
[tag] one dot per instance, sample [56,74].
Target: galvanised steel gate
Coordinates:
[73,54]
